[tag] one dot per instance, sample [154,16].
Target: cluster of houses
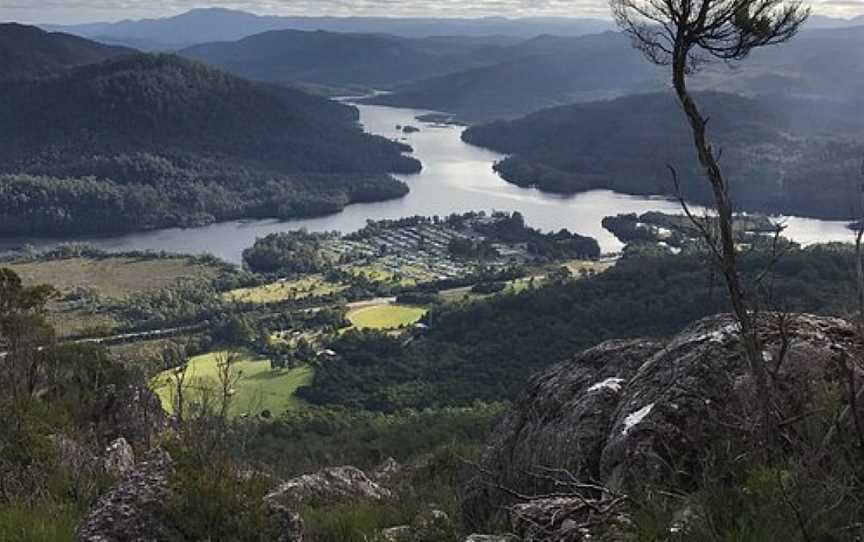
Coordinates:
[422,251]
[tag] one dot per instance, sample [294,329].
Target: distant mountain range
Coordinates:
[26,51]
[216,24]
[376,61]
[142,141]
[775,161]
[548,71]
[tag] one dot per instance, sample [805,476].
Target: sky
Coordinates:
[78,11]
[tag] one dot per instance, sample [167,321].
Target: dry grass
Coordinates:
[112,277]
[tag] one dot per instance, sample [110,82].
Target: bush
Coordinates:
[213,499]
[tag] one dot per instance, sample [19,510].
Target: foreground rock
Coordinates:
[134,509]
[627,414]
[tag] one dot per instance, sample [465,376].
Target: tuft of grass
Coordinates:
[260,388]
[20,522]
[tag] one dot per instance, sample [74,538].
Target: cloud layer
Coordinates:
[76,11]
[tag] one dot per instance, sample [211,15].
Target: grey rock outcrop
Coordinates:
[331,485]
[386,471]
[116,460]
[119,458]
[133,510]
[630,413]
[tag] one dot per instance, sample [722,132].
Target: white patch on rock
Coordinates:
[614,384]
[636,418]
[718,335]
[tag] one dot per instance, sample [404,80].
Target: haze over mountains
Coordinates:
[552,71]
[216,24]
[376,61]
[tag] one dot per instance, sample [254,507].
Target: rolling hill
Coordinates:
[625,145]
[548,71]
[543,72]
[26,51]
[147,141]
[327,58]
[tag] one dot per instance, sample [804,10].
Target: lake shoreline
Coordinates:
[456,178]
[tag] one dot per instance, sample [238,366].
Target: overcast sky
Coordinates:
[76,11]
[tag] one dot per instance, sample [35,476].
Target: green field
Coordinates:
[259,388]
[312,286]
[385,316]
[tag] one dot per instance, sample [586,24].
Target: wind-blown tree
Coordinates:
[684,34]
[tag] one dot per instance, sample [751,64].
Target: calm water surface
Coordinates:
[456,177]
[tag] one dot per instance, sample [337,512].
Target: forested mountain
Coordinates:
[26,51]
[550,71]
[625,145]
[542,72]
[146,141]
[216,24]
[826,65]
[371,60]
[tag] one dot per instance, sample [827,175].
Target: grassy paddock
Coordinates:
[312,286]
[259,388]
[112,277]
[385,316]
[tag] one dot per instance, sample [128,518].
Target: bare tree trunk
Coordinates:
[727,252]
[859,274]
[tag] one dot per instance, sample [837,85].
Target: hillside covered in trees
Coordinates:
[628,143]
[26,51]
[550,71]
[147,141]
[542,72]
[343,60]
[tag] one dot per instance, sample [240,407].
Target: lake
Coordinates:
[456,178]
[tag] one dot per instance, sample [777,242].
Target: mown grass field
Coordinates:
[385,316]
[112,277]
[258,389]
[311,286]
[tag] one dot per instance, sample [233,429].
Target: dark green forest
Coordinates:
[153,141]
[28,52]
[485,351]
[628,143]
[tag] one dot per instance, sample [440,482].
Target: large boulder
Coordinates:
[561,421]
[632,413]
